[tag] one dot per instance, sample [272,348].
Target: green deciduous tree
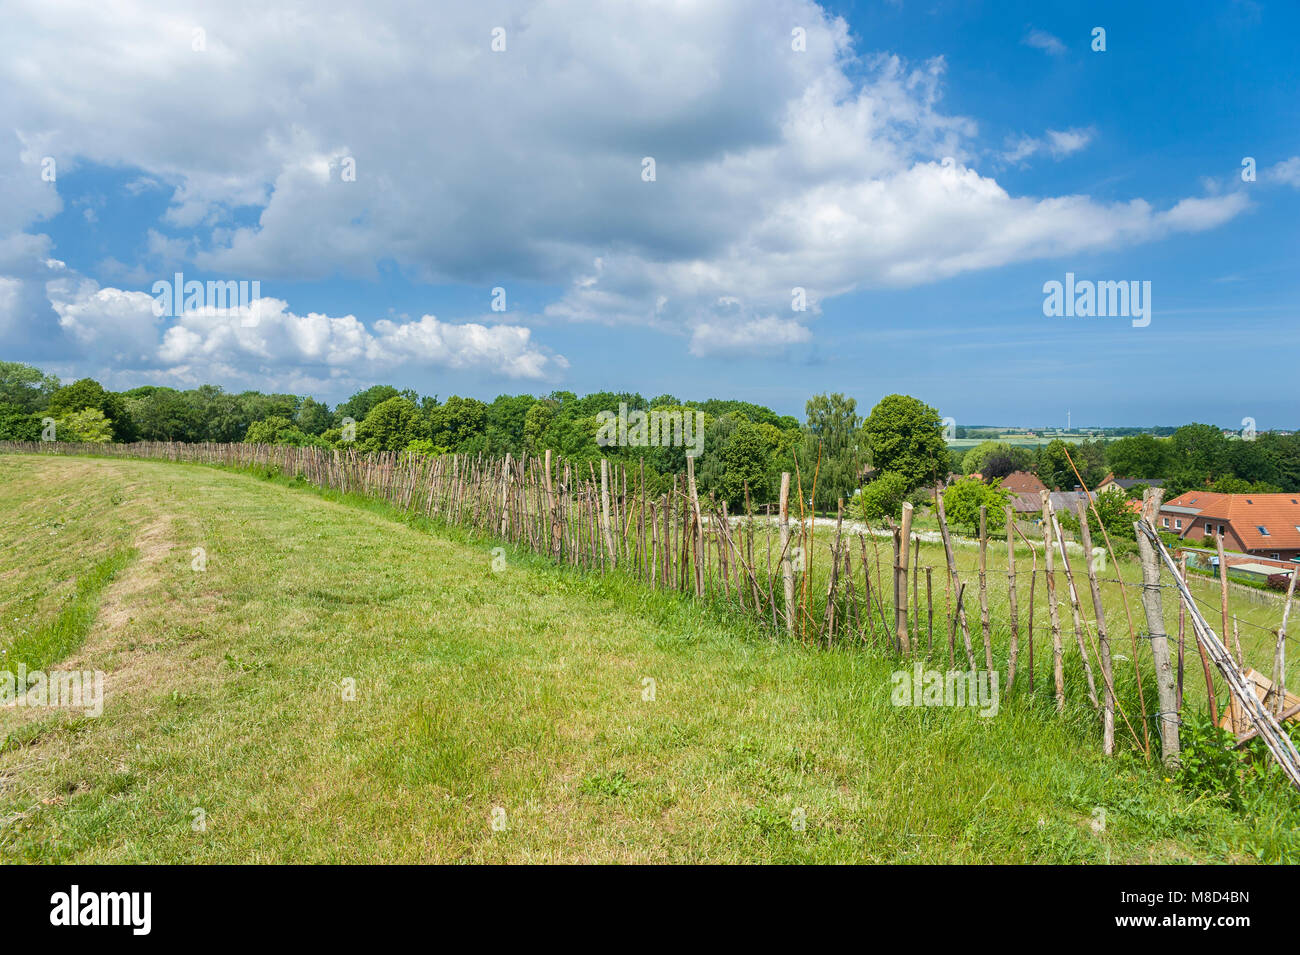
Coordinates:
[458,421]
[738,454]
[962,500]
[882,498]
[1200,449]
[1011,458]
[1053,466]
[88,393]
[163,414]
[361,403]
[26,388]
[391,425]
[1112,511]
[17,424]
[537,424]
[279,430]
[313,416]
[1137,455]
[834,427]
[87,424]
[504,423]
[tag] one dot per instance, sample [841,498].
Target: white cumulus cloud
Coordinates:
[833,168]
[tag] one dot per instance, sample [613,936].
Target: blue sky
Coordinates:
[920,169]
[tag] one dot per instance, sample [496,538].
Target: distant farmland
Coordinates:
[1024,440]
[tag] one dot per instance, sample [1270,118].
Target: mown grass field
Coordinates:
[519,689]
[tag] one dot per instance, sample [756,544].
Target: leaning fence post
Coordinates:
[1262,720]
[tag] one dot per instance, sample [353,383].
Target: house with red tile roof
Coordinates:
[1023,482]
[1266,525]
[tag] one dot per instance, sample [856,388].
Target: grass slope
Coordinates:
[520,689]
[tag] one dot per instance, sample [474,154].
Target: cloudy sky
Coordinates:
[917,170]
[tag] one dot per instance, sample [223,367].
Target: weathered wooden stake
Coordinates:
[1103,640]
[1279,652]
[900,583]
[1076,611]
[984,590]
[1182,630]
[1166,688]
[929,605]
[787,567]
[1013,651]
[1058,670]
[699,526]
[916,581]
[604,511]
[960,612]
[1223,591]
[1262,719]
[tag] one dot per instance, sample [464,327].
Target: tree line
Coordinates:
[1192,456]
[894,453]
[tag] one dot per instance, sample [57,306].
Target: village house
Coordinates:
[1263,525]
[1026,499]
[1023,482]
[1110,483]
[1030,504]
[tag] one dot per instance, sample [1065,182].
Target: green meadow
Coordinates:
[296,676]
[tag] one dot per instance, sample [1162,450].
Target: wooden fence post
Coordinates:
[1166,690]
[1013,651]
[787,568]
[1076,611]
[929,607]
[553,538]
[984,590]
[1279,652]
[1058,669]
[1223,592]
[960,613]
[900,581]
[604,511]
[915,626]
[1182,631]
[1103,640]
[1264,724]
[830,617]
[644,557]
[699,527]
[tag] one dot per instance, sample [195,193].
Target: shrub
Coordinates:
[962,501]
[882,498]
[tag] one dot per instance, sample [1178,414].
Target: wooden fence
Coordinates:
[765,563]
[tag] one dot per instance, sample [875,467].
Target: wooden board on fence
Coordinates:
[1234,718]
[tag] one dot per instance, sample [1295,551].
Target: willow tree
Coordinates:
[834,427]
